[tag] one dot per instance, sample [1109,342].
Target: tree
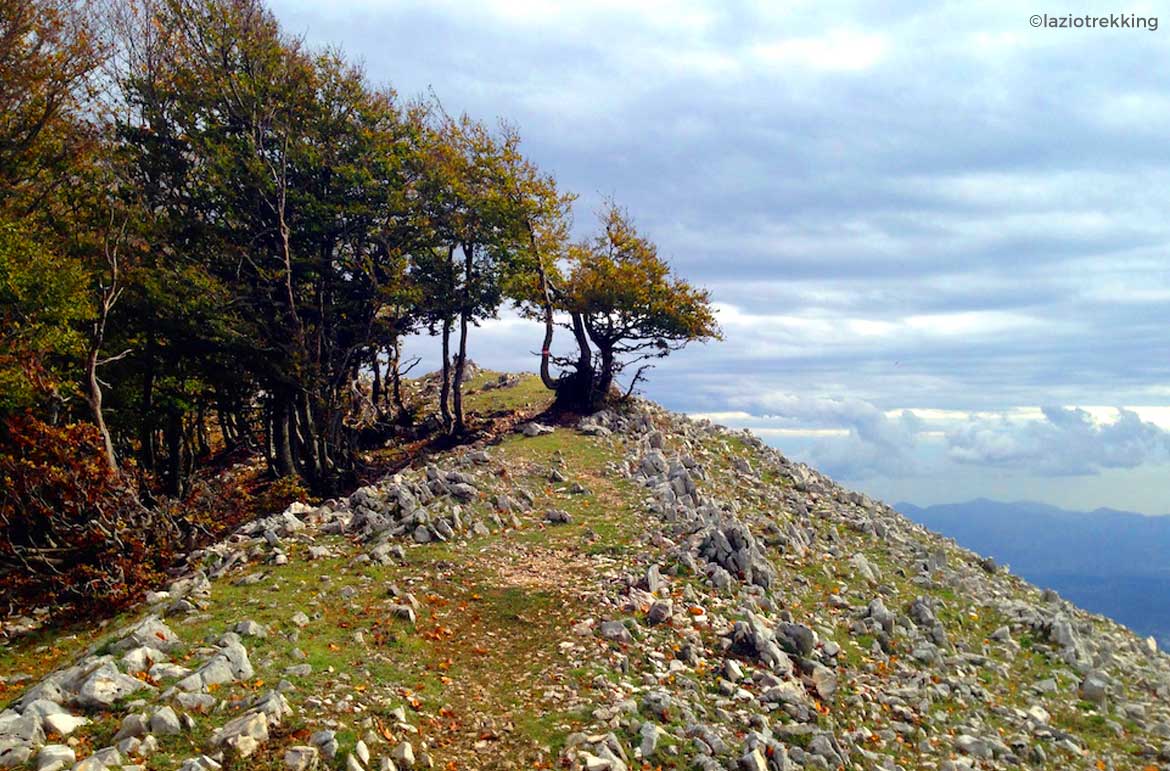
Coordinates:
[49,54]
[629,304]
[43,302]
[471,215]
[544,214]
[284,175]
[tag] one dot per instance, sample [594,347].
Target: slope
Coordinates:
[634,590]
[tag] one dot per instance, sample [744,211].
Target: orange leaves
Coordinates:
[439,632]
[383,730]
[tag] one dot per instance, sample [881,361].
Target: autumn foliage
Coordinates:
[70,532]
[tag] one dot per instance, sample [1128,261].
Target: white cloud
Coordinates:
[838,50]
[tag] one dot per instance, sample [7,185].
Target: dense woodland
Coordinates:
[214,239]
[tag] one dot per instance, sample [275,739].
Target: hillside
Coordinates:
[1108,561]
[630,590]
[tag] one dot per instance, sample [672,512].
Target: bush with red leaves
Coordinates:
[71,533]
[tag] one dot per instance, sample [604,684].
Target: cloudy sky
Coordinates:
[938,239]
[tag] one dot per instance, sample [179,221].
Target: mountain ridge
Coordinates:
[1106,560]
[631,589]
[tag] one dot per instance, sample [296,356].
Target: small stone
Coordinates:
[301,758]
[650,734]
[100,760]
[54,757]
[753,761]
[558,517]
[134,724]
[107,685]
[249,628]
[660,612]
[244,733]
[403,755]
[164,722]
[63,724]
[1094,688]
[615,630]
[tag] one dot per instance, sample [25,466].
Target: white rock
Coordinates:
[301,758]
[54,757]
[164,722]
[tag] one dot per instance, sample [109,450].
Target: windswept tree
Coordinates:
[629,304]
[544,216]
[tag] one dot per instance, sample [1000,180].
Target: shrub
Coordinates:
[71,533]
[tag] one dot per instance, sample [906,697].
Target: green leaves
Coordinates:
[42,301]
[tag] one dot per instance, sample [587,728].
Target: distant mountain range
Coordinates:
[1116,563]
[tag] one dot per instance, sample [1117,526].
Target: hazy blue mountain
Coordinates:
[1116,563]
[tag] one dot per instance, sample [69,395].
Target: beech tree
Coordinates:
[629,304]
[473,217]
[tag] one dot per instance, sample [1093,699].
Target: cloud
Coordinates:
[845,438]
[1066,442]
[933,207]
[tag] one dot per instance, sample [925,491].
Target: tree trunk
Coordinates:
[281,444]
[464,315]
[575,391]
[147,455]
[173,433]
[395,375]
[546,293]
[445,389]
[603,380]
[309,445]
[202,437]
[460,365]
[376,388]
[93,397]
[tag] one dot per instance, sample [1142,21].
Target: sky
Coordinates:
[936,235]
